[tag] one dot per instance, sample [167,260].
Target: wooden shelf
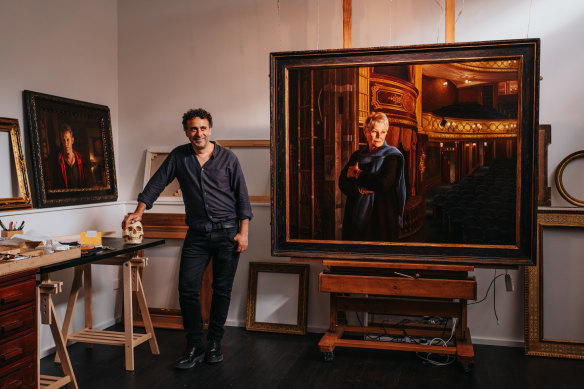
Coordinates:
[52,382]
[112,338]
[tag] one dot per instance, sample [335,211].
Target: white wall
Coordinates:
[215,55]
[66,48]
[150,61]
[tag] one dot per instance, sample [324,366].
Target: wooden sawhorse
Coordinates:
[132,285]
[46,289]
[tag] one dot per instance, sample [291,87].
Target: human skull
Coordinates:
[133,233]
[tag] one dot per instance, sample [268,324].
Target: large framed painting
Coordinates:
[420,153]
[72,150]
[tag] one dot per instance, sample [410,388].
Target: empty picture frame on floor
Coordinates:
[554,293]
[277,297]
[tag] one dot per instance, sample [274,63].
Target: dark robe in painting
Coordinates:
[374,216]
[72,177]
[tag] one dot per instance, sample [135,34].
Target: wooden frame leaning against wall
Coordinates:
[536,343]
[172,193]
[16,180]
[560,181]
[302,271]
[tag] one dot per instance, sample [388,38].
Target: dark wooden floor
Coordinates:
[265,360]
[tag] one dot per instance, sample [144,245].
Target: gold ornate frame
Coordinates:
[559,181]
[267,267]
[24,200]
[535,343]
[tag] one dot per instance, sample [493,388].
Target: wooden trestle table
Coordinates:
[131,258]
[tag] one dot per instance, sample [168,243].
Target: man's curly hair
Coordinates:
[196,113]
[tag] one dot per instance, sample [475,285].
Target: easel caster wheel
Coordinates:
[328,356]
[467,367]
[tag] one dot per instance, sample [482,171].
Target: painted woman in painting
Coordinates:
[373,181]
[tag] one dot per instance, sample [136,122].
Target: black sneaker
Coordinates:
[190,358]
[213,353]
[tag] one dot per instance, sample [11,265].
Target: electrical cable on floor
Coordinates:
[405,337]
[449,358]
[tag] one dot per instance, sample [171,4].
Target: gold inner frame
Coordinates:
[493,129]
[23,201]
[535,343]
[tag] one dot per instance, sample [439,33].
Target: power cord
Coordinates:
[359,319]
[488,289]
[439,341]
[494,299]
[493,285]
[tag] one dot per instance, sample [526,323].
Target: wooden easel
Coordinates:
[408,289]
[46,290]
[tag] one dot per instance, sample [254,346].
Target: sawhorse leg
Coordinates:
[141,297]
[132,285]
[49,316]
[82,277]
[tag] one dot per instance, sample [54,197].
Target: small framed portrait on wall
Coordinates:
[72,150]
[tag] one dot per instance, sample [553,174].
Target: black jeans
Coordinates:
[198,248]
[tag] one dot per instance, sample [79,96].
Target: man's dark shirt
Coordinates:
[213,193]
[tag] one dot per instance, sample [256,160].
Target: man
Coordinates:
[218,212]
[71,172]
[373,181]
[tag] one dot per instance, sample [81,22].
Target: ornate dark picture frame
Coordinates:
[18,180]
[302,271]
[319,103]
[53,121]
[535,341]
